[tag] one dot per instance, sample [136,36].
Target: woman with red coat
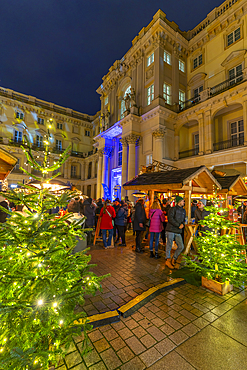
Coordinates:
[157,218]
[107,215]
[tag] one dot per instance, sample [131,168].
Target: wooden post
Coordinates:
[151,197]
[188,201]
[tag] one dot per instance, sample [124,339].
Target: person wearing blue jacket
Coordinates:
[121,221]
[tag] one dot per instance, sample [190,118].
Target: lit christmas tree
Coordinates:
[41,281]
[220,255]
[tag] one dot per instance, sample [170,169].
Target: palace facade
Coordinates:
[36,118]
[176,97]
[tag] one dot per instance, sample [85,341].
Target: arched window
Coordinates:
[127,91]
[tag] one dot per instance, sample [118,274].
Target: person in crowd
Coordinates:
[176,222]
[193,208]
[166,205]
[74,205]
[129,221]
[132,218]
[107,215]
[89,212]
[116,206]
[200,214]
[156,218]
[147,209]
[121,221]
[99,205]
[4,204]
[139,223]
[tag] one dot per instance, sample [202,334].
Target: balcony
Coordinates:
[212,91]
[75,177]
[57,150]
[78,154]
[188,153]
[228,144]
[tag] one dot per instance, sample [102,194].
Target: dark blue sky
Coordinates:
[59,50]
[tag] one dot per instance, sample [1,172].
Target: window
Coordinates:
[87,133]
[39,141]
[150,59]
[18,136]
[59,144]
[167,91]
[149,159]
[122,110]
[106,100]
[40,121]
[167,57]
[181,65]
[197,61]
[233,36]
[73,171]
[120,153]
[237,133]
[196,143]
[59,126]
[181,98]
[17,166]
[197,94]
[150,94]
[19,115]
[235,74]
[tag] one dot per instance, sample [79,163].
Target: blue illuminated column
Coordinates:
[124,166]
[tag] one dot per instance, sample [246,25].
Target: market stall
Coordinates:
[7,163]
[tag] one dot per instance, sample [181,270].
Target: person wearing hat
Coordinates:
[176,221]
[200,214]
[193,208]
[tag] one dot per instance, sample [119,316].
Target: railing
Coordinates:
[38,147]
[57,150]
[188,153]
[75,176]
[227,144]
[15,142]
[189,103]
[78,154]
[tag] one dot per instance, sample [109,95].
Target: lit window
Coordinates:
[40,121]
[59,126]
[106,100]
[122,110]
[197,93]
[149,159]
[19,115]
[233,36]
[181,98]
[39,141]
[18,136]
[167,91]
[73,171]
[87,133]
[120,153]
[59,144]
[235,74]
[150,59]
[197,61]
[237,133]
[196,143]
[150,94]
[181,65]
[167,57]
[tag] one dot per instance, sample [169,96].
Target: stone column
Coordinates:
[245,119]
[208,132]
[176,144]
[158,144]
[131,160]
[99,174]
[93,168]
[107,152]
[92,191]
[201,133]
[86,170]
[124,166]
[82,170]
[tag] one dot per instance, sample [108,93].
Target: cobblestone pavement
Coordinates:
[184,328]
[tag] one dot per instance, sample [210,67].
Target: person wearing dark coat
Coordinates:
[165,209]
[176,222]
[74,205]
[89,213]
[139,223]
[193,208]
[3,215]
[121,221]
[200,214]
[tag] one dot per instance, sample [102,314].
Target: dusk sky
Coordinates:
[59,50]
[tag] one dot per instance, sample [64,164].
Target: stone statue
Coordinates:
[132,97]
[127,102]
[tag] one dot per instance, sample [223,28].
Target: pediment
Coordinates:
[197,78]
[76,139]
[59,135]
[41,131]
[235,55]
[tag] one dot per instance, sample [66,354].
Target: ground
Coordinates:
[184,328]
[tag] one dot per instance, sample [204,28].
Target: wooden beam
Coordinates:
[156,187]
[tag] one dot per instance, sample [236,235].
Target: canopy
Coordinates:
[7,163]
[232,185]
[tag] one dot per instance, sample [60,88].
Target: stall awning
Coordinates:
[7,163]
[232,185]
[195,179]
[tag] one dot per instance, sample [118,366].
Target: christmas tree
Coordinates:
[220,254]
[41,280]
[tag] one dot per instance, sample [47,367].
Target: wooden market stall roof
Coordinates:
[7,163]
[195,179]
[232,185]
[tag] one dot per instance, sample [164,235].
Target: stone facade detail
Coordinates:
[159,133]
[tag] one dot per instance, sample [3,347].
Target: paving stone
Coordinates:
[145,323]
[80,367]
[150,356]
[209,317]
[156,333]
[110,359]
[117,343]
[101,345]
[125,354]
[137,316]
[161,314]
[135,345]
[167,329]
[73,359]
[134,364]
[139,332]
[173,323]
[157,322]
[190,329]
[95,335]
[91,358]
[105,328]
[118,325]
[165,346]
[110,334]
[188,314]
[148,340]
[178,337]
[149,315]
[99,366]
[200,323]
[131,324]
[172,361]
[183,320]
[125,333]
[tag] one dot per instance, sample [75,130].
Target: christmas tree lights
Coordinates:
[41,280]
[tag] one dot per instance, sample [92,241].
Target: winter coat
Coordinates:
[176,217]
[140,217]
[165,210]
[200,215]
[156,220]
[89,213]
[74,206]
[99,207]
[106,220]
[121,217]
